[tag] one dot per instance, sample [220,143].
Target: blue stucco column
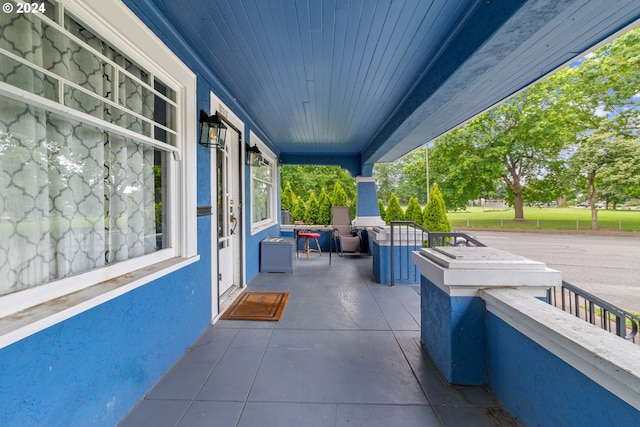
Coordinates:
[453,329]
[367,210]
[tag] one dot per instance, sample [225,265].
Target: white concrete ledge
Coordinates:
[463,271]
[601,356]
[382,236]
[22,324]
[368,221]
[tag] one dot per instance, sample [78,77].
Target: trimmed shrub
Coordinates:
[435,216]
[394,211]
[324,213]
[352,209]
[299,210]
[313,209]
[382,210]
[414,211]
[286,199]
[339,196]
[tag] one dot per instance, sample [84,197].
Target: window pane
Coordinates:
[262,192]
[51,48]
[72,197]
[261,203]
[26,78]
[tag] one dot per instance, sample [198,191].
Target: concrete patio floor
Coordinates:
[346,352]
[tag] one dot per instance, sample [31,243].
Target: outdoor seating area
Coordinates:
[346,351]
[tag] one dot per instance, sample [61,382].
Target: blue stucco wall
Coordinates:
[367,200]
[541,389]
[148,12]
[404,270]
[94,367]
[91,370]
[454,335]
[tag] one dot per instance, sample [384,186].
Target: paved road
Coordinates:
[606,265]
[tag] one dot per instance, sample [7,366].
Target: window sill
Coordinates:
[261,226]
[17,326]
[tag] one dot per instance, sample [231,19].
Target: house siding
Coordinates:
[92,369]
[540,389]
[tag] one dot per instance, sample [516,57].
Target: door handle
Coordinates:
[234,220]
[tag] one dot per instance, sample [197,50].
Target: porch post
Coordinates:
[452,311]
[367,210]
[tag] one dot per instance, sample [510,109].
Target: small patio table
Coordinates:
[309,228]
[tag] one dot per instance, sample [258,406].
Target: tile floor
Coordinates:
[346,352]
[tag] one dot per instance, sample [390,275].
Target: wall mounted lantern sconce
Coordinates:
[254,155]
[212,131]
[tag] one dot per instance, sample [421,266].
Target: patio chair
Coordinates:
[346,240]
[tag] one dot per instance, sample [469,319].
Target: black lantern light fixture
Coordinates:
[254,155]
[212,131]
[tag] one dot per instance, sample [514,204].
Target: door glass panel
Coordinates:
[221,199]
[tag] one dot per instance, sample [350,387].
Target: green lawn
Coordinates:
[546,218]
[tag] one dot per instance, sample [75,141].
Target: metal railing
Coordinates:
[411,235]
[405,234]
[596,311]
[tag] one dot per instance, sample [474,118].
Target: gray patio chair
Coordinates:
[344,236]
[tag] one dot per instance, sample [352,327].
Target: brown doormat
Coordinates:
[266,306]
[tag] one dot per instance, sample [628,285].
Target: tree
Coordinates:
[603,89]
[352,209]
[382,209]
[339,196]
[394,211]
[324,212]
[313,209]
[435,216]
[523,145]
[286,199]
[414,211]
[299,210]
[414,179]
[387,179]
[600,153]
[460,167]
[406,177]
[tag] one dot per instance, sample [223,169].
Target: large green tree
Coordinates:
[604,90]
[387,177]
[604,154]
[516,141]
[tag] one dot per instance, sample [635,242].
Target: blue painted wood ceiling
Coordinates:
[375,79]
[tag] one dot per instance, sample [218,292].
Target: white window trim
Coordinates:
[268,155]
[30,311]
